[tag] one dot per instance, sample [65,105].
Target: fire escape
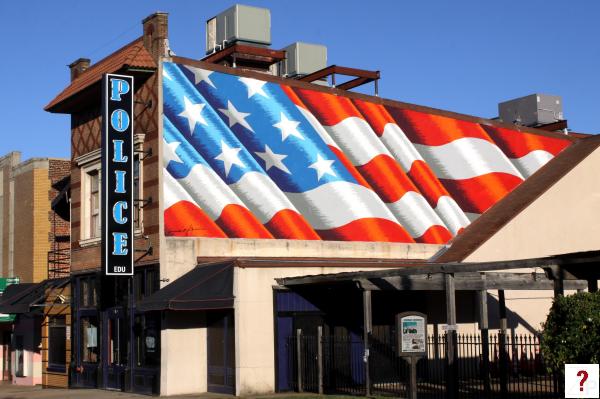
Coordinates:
[59,257]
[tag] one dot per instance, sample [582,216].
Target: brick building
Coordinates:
[29,232]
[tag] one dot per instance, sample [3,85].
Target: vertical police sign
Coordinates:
[117,175]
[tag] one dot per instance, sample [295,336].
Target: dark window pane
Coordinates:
[146,340]
[19,357]
[89,339]
[57,341]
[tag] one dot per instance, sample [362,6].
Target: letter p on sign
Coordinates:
[581,381]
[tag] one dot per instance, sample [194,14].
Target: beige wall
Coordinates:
[183,353]
[183,345]
[564,219]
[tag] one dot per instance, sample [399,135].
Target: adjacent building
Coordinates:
[30,232]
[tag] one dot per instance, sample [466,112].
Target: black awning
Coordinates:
[202,288]
[18,298]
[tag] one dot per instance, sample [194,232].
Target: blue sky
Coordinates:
[463,56]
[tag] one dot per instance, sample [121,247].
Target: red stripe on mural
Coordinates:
[184,219]
[327,108]
[375,114]
[387,178]
[368,229]
[435,235]
[289,224]
[435,130]
[518,144]
[238,222]
[479,193]
[349,166]
[427,182]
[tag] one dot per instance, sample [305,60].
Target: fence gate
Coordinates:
[514,364]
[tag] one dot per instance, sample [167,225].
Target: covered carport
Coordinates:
[576,271]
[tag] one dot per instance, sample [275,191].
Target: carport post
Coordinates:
[485,342]
[592,285]
[451,385]
[366,336]
[299,359]
[320,357]
[502,343]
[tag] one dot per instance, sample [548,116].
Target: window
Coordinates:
[89,338]
[57,338]
[88,292]
[145,282]
[94,203]
[19,356]
[137,194]
[146,340]
[90,197]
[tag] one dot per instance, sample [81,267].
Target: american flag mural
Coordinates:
[245,158]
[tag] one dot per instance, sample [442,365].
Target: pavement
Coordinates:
[10,391]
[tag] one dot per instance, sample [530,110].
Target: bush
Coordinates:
[571,333]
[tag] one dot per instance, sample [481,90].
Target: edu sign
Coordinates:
[117,175]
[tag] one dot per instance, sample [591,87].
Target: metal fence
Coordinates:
[511,367]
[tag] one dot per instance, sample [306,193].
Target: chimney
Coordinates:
[156,34]
[78,66]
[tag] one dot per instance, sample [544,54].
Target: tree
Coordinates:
[571,333]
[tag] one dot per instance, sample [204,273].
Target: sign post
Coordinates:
[411,329]
[117,175]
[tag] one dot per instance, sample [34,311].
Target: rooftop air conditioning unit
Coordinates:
[532,110]
[304,59]
[239,24]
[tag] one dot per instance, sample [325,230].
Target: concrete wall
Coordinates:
[564,219]
[183,353]
[183,345]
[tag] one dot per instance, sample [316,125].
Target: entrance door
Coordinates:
[221,352]
[115,349]
[6,356]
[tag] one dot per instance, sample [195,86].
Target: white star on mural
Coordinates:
[288,128]
[193,113]
[170,152]
[254,86]
[272,160]
[201,75]
[229,156]
[323,167]
[234,116]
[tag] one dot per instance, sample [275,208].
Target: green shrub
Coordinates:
[571,333]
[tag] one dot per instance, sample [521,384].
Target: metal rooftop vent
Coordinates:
[239,24]
[532,110]
[304,59]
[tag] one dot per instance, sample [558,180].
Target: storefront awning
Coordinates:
[203,288]
[18,298]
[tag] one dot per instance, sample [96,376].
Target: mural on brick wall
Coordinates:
[245,158]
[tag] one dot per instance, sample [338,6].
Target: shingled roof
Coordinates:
[132,55]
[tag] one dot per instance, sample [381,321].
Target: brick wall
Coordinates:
[31,198]
[25,250]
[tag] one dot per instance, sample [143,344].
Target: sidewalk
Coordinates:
[9,391]
[27,392]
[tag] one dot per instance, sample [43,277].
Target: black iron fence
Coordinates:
[511,367]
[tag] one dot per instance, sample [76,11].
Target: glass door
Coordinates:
[116,352]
